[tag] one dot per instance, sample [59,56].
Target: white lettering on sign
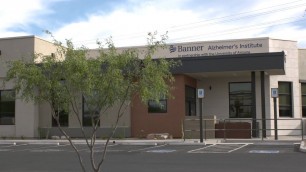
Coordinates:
[189,48]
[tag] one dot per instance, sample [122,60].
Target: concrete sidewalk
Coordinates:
[167,141]
[113,141]
[303,146]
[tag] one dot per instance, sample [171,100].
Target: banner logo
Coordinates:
[172,48]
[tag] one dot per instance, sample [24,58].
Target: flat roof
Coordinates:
[273,63]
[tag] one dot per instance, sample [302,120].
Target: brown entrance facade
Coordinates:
[169,121]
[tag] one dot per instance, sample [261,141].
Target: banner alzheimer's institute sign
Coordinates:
[218,48]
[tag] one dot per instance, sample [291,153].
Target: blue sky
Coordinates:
[128,21]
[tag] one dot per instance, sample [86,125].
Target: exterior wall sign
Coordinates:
[200,93]
[274,92]
[218,48]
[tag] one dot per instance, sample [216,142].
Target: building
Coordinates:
[237,76]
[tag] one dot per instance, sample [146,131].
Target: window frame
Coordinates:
[62,122]
[13,121]
[231,94]
[160,110]
[190,100]
[303,95]
[280,95]
[83,115]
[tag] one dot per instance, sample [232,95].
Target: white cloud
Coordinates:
[186,20]
[129,25]
[18,14]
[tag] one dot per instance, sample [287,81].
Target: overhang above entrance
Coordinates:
[271,63]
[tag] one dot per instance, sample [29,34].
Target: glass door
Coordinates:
[190,101]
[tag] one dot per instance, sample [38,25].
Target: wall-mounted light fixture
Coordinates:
[52,55]
[0,52]
[210,87]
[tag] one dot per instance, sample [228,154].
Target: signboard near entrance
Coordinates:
[274,95]
[200,93]
[274,92]
[201,96]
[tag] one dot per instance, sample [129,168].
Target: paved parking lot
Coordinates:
[150,157]
[158,148]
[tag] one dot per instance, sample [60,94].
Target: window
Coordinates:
[157,107]
[303,91]
[285,101]
[89,113]
[63,118]
[7,107]
[240,100]
[190,101]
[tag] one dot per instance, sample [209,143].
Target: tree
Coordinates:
[112,78]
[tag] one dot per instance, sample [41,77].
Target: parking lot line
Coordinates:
[219,148]
[238,148]
[42,147]
[87,149]
[152,147]
[194,150]
[14,145]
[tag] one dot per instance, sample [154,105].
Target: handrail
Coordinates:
[259,129]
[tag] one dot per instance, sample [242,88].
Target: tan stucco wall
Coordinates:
[108,119]
[21,47]
[26,113]
[302,64]
[292,75]
[44,47]
[216,101]
[15,48]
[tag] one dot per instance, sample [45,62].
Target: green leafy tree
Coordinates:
[110,79]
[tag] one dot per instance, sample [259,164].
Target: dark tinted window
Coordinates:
[285,99]
[7,107]
[157,107]
[240,100]
[303,91]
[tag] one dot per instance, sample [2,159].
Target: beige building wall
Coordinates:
[11,49]
[302,64]
[15,48]
[107,121]
[26,113]
[216,101]
[292,75]
[45,118]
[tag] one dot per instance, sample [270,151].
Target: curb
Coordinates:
[122,142]
[157,142]
[303,146]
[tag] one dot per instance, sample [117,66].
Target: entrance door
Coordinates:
[190,101]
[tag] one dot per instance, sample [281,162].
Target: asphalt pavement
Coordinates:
[155,155]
